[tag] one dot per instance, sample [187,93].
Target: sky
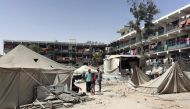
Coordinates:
[83,20]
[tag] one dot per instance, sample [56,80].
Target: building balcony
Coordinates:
[122,47]
[156,36]
[177,46]
[169,47]
[171,28]
[87,53]
[166,47]
[64,51]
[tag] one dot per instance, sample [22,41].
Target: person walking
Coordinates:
[99,79]
[88,78]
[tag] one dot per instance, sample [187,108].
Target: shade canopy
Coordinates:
[84,69]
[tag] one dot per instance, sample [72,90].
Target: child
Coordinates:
[93,84]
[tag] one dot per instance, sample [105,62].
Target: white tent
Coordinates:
[173,80]
[21,70]
[83,69]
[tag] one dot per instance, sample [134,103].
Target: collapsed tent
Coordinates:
[21,70]
[172,81]
[139,77]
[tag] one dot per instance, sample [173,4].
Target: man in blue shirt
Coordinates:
[88,78]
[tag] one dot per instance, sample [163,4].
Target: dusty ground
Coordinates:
[119,95]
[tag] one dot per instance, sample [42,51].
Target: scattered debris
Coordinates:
[145,99]
[57,98]
[99,102]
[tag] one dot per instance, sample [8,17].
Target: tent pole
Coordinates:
[39,83]
[120,65]
[18,105]
[71,77]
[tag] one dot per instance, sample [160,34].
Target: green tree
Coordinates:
[97,57]
[143,12]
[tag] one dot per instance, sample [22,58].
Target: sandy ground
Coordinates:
[119,95]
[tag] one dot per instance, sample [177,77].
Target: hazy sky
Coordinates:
[83,20]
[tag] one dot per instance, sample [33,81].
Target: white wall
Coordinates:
[1,47]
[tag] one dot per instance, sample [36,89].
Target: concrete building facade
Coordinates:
[171,37]
[62,52]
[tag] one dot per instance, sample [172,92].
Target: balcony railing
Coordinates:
[171,28]
[157,34]
[133,42]
[169,47]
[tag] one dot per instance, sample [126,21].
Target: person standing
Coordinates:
[99,79]
[74,87]
[93,83]
[88,78]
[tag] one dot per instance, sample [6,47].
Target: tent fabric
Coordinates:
[138,77]
[84,69]
[9,88]
[63,80]
[125,56]
[22,57]
[17,87]
[20,74]
[184,65]
[173,80]
[176,81]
